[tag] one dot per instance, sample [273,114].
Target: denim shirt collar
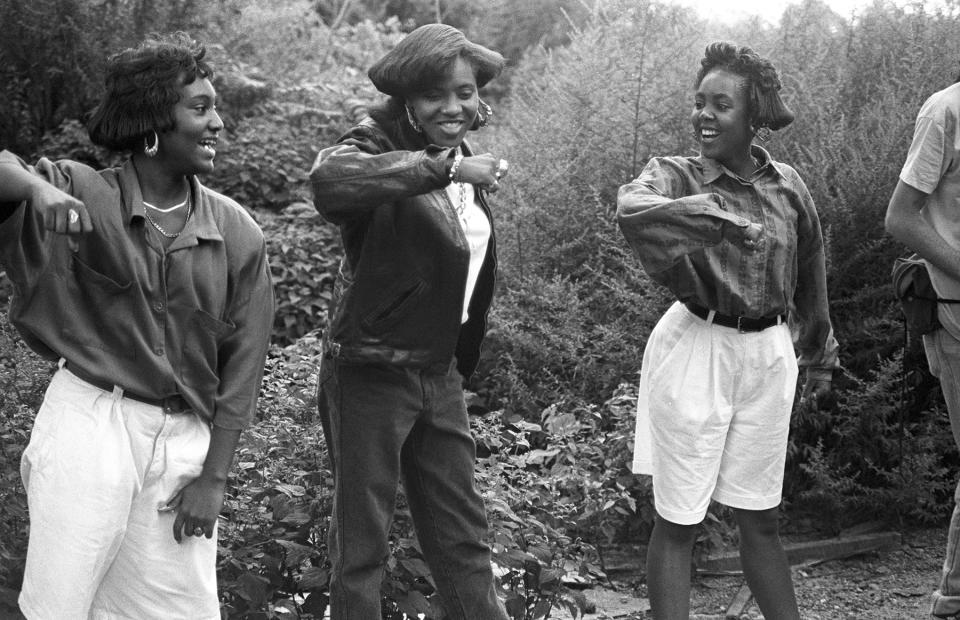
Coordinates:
[713,170]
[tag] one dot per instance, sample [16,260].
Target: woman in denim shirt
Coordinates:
[735,237]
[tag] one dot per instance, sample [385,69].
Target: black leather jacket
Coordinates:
[399,295]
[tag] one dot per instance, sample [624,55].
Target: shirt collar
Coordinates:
[713,170]
[202,224]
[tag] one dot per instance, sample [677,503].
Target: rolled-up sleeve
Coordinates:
[243,353]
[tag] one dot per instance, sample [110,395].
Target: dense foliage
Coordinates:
[592,91]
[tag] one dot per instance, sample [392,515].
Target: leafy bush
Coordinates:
[866,457]
[273,533]
[304,257]
[23,381]
[53,53]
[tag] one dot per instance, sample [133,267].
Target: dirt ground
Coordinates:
[880,585]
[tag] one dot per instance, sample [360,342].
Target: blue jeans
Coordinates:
[382,422]
[943,356]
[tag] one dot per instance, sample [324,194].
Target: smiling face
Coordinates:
[721,118]
[189,148]
[447,111]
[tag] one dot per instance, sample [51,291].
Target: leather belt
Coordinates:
[169,404]
[740,323]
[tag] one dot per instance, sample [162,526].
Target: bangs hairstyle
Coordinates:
[142,89]
[766,108]
[423,58]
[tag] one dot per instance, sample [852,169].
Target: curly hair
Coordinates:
[142,88]
[766,108]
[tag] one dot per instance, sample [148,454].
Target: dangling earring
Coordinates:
[413,121]
[484,112]
[151,151]
[762,133]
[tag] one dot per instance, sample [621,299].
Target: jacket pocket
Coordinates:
[397,301]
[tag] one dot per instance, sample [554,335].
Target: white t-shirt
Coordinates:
[476,228]
[933,167]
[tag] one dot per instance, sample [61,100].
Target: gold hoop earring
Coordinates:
[484,112]
[413,121]
[762,133]
[151,151]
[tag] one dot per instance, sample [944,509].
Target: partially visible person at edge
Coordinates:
[924,215]
[154,295]
[735,237]
[406,322]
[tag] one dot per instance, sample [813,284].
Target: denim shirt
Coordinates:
[674,216]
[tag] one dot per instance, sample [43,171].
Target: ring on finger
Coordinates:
[72,216]
[502,167]
[198,531]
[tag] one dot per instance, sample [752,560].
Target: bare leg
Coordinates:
[765,563]
[668,569]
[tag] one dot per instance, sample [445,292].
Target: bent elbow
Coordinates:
[894,225]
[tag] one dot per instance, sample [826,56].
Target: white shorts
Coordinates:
[713,415]
[97,468]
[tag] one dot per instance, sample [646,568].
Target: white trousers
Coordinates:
[97,468]
[713,415]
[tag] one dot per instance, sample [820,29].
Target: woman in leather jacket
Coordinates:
[406,322]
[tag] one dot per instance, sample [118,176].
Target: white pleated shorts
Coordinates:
[713,415]
[97,468]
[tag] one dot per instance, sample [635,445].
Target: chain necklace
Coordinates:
[160,228]
[463,200]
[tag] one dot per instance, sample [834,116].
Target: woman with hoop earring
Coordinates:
[406,322]
[152,292]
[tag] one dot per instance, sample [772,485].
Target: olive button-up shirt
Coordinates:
[194,319]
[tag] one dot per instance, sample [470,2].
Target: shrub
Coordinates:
[23,381]
[867,457]
[304,256]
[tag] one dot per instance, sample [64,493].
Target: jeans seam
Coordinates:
[339,595]
[434,529]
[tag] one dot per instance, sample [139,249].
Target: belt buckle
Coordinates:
[172,404]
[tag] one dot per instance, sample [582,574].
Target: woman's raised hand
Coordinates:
[61,212]
[484,170]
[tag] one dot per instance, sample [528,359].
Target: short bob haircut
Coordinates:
[142,88]
[423,58]
[766,108]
